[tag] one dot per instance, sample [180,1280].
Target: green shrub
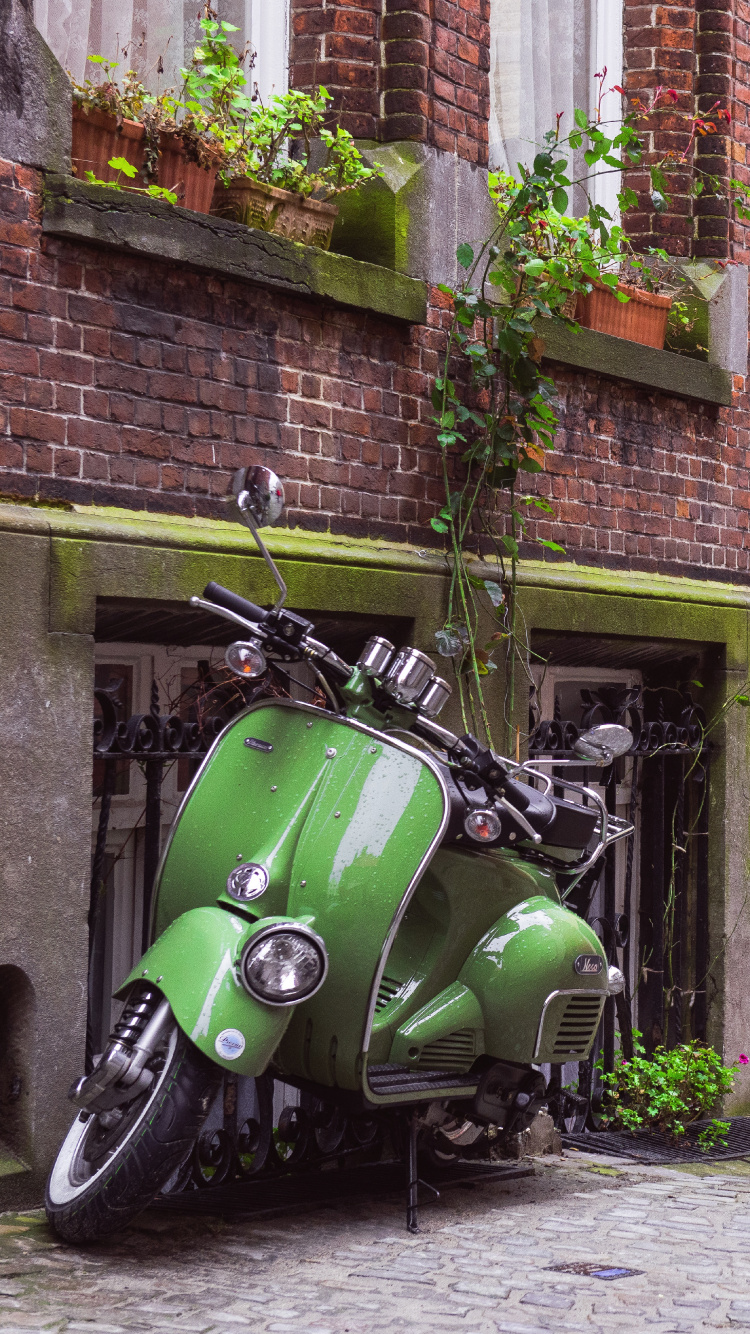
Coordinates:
[668,1090]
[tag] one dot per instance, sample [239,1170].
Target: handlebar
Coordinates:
[223,597]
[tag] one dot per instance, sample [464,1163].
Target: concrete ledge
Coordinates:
[674,374]
[149,227]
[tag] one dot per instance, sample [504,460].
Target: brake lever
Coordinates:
[228,615]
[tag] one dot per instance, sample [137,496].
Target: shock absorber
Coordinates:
[138,1009]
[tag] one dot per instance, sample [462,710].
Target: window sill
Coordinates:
[149,227]
[674,374]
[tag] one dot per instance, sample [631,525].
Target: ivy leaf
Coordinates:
[509,342]
[495,592]
[560,200]
[465,255]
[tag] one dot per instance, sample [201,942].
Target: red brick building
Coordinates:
[146,353]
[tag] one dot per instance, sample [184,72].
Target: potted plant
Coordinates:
[168,148]
[290,192]
[284,163]
[106,123]
[637,309]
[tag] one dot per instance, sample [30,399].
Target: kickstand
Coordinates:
[414,1181]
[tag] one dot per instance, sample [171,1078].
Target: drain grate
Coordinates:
[590,1269]
[654,1146]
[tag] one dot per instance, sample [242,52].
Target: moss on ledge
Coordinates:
[649,366]
[156,230]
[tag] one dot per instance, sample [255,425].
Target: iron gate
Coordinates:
[658,931]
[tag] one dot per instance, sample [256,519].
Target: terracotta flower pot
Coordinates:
[96,139]
[193,185]
[642,319]
[272,210]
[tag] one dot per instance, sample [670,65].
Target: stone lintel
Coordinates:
[649,366]
[157,230]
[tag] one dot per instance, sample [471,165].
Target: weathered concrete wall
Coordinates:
[35,98]
[45,778]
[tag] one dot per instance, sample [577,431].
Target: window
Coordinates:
[544,56]
[150,29]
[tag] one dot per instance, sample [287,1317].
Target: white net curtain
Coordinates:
[166,29]
[544,55]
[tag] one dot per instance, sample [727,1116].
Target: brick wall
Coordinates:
[700,48]
[646,481]
[125,383]
[400,69]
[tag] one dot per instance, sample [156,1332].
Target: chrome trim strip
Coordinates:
[572,991]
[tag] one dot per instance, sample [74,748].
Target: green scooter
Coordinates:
[356,900]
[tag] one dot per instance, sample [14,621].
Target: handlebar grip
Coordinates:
[223,597]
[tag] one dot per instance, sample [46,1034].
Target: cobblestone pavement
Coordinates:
[484,1262]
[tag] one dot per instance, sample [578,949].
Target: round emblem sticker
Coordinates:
[230,1044]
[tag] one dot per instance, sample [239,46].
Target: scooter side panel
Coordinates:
[248,803]
[194,965]
[342,820]
[526,956]
[354,865]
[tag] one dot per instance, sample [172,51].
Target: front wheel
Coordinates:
[112,1164]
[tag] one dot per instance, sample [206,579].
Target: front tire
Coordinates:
[111,1166]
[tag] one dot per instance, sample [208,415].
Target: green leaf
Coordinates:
[534,268]
[439,525]
[542,164]
[511,545]
[580,118]
[447,291]
[560,200]
[495,592]
[122,164]
[551,546]
[465,255]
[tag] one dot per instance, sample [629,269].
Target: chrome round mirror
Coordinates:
[603,743]
[259,494]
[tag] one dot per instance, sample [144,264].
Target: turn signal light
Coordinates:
[483,826]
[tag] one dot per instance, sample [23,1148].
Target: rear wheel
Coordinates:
[112,1164]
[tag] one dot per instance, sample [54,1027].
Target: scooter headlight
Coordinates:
[284,964]
[484,826]
[245,659]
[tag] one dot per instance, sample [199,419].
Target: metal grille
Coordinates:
[386,991]
[455,1051]
[655,1146]
[577,1028]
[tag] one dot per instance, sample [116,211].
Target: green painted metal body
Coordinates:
[436,953]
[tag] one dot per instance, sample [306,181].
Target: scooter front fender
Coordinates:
[193,963]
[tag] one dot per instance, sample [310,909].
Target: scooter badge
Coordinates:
[230,1044]
[247,881]
[588,965]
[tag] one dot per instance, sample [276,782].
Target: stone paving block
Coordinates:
[554,1300]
